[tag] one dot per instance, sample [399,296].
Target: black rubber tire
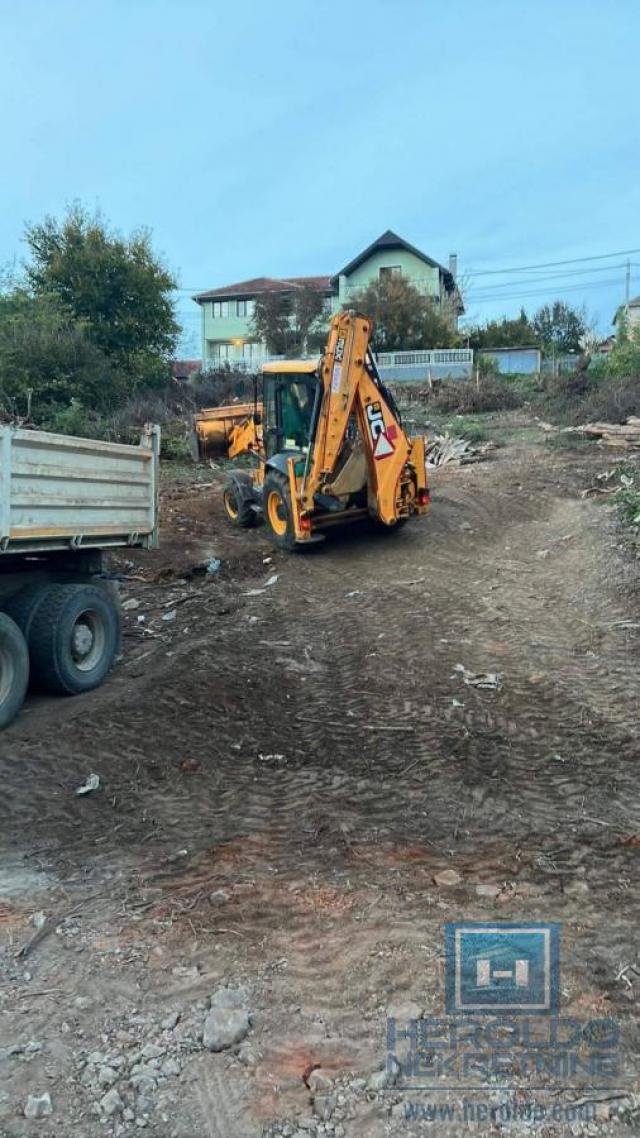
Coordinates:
[382,528]
[23,606]
[277,483]
[245,516]
[14,669]
[54,666]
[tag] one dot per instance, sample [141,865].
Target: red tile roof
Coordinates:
[182,369]
[266,284]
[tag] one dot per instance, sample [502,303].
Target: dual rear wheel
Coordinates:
[64,637]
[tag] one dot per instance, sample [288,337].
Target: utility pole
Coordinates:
[627,290]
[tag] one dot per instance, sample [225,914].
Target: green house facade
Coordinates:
[227,312]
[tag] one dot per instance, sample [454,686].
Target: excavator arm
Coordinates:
[351,387]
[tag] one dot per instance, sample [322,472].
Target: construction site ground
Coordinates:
[291,752]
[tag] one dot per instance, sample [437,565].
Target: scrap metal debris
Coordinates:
[443,449]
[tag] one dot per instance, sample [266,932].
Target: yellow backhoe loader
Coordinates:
[328,442]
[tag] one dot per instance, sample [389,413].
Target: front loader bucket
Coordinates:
[212,428]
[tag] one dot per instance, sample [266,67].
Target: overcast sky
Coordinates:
[280,137]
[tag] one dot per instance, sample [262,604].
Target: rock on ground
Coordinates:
[38,1106]
[227,1022]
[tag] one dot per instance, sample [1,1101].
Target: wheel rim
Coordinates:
[231,503]
[7,674]
[277,513]
[87,641]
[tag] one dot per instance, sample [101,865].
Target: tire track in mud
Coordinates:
[365,639]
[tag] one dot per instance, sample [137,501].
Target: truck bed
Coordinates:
[59,492]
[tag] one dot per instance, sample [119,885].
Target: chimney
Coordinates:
[453,264]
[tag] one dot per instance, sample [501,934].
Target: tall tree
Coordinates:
[559,327]
[117,286]
[504,333]
[47,360]
[403,317]
[289,322]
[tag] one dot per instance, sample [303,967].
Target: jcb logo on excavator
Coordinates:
[376,420]
[382,445]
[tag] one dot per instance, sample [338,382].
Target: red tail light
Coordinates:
[423,498]
[305,524]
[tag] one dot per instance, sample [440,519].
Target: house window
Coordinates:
[241,307]
[327,302]
[220,351]
[390,271]
[220,308]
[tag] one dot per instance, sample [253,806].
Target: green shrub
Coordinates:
[583,397]
[491,393]
[628,506]
[76,420]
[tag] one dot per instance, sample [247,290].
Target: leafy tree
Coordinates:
[504,333]
[309,318]
[271,321]
[624,358]
[559,327]
[47,359]
[117,287]
[404,318]
[289,322]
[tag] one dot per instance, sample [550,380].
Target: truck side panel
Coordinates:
[59,492]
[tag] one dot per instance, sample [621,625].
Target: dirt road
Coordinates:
[287,767]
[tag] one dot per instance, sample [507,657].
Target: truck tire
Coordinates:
[23,605]
[74,638]
[276,508]
[14,669]
[236,498]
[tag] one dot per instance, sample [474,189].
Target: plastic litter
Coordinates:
[92,782]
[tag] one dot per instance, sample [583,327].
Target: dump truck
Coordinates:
[63,503]
[327,441]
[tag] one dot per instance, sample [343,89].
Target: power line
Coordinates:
[485,298]
[551,264]
[566,274]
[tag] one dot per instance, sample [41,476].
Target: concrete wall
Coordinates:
[515,361]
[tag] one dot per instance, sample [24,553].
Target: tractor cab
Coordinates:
[291,398]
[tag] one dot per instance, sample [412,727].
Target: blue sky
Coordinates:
[280,137]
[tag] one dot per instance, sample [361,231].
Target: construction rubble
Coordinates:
[623,436]
[444,449]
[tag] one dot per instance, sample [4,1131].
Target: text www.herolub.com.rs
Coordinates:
[478,1113]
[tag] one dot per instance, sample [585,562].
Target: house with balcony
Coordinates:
[227,312]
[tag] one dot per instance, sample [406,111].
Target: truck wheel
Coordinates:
[23,606]
[237,507]
[14,669]
[278,515]
[74,638]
